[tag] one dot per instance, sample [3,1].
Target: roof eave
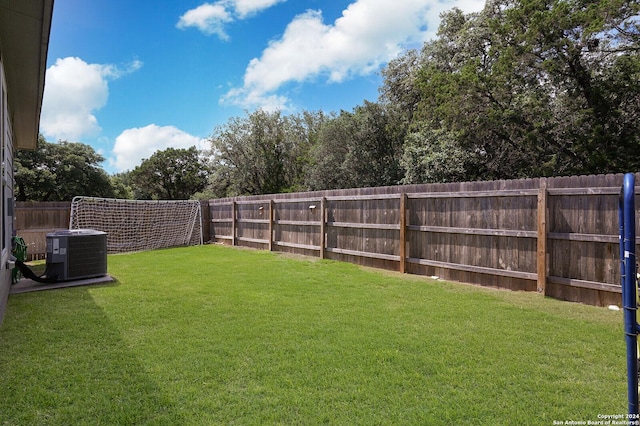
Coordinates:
[25,28]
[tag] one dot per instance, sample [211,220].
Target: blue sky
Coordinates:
[130,77]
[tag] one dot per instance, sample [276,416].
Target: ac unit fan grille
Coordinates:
[86,256]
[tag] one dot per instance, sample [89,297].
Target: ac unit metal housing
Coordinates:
[76,254]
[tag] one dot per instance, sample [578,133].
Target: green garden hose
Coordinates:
[19,251]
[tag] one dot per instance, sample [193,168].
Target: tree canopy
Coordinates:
[170,174]
[60,171]
[523,88]
[262,153]
[358,149]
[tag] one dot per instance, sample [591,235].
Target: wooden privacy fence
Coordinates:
[557,236]
[34,220]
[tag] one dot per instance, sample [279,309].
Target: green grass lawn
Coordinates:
[216,335]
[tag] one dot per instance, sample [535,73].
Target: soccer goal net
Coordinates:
[137,225]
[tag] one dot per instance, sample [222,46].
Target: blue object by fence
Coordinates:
[626,214]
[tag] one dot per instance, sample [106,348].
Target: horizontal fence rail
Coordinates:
[557,236]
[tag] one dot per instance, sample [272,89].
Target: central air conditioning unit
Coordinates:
[76,254]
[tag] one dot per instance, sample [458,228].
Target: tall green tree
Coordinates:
[358,149]
[304,130]
[262,153]
[586,56]
[400,90]
[433,156]
[121,183]
[476,90]
[328,169]
[525,88]
[170,174]
[59,171]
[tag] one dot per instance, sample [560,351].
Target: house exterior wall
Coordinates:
[6,193]
[25,28]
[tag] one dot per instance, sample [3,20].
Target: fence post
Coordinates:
[233,223]
[205,218]
[271,218]
[323,228]
[403,232]
[542,237]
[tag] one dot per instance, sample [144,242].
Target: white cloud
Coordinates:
[208,18]
[74,91]
[368,34]
[134,145]
[246,8]
[211,18]
[114,72]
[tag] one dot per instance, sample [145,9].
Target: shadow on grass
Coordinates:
[62,361]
